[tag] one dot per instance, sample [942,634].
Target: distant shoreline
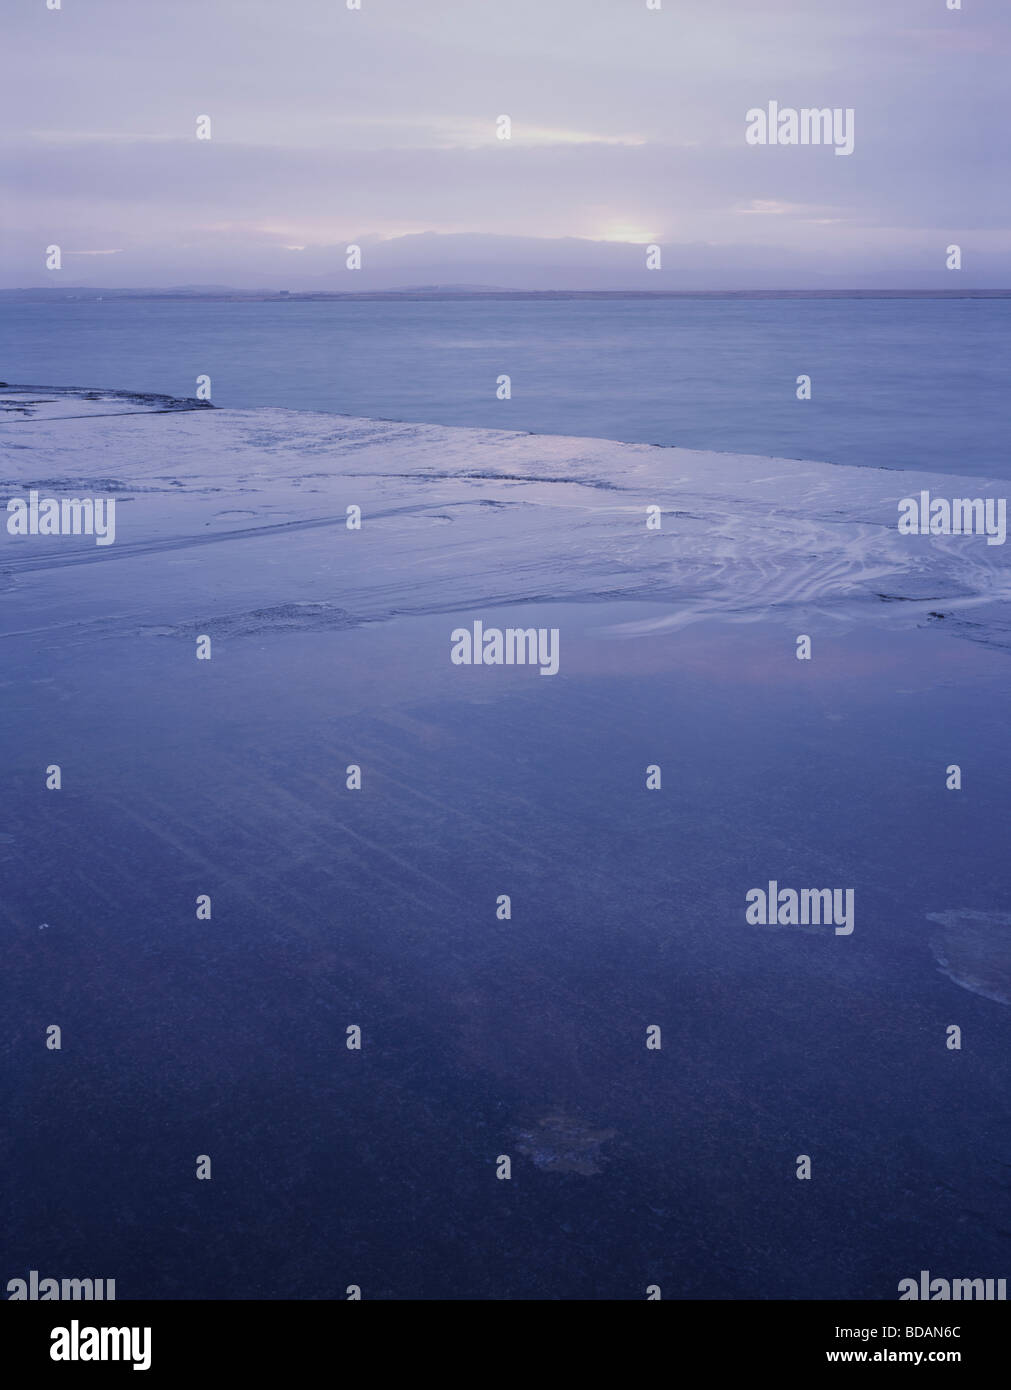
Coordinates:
[43,294]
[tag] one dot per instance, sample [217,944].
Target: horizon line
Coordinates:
[494,292]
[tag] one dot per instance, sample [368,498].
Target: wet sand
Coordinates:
[484,1037]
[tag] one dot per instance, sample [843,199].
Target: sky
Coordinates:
[378,127]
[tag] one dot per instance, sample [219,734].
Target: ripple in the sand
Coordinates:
[974,950]
[301,616]
[560,1144]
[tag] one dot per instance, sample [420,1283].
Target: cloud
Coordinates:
[332,125]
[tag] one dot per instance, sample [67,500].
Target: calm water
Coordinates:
[227,1038]
[184,1037]
[896,383]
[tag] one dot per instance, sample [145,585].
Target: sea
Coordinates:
[207,908]
[912,383]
